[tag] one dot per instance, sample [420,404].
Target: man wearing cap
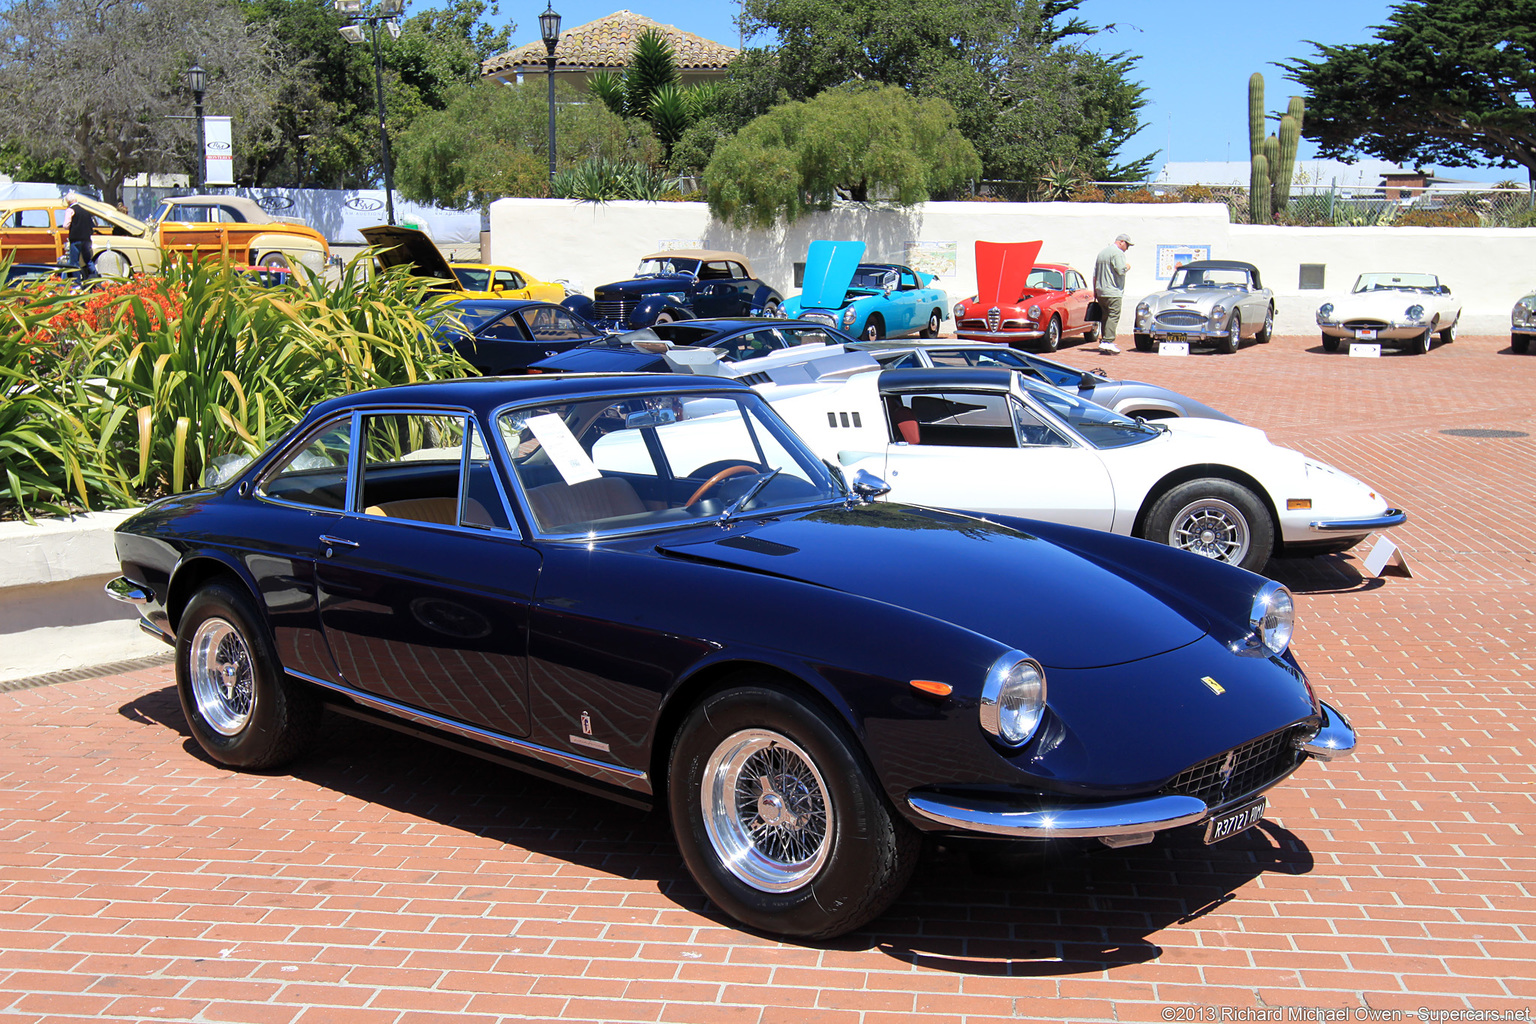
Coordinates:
[1109,270]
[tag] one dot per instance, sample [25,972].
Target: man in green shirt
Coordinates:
[1109,270]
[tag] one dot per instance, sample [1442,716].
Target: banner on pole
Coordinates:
[218,152]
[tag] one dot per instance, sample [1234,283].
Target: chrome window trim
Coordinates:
[629,778]
[279,461]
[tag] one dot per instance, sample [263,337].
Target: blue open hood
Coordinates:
[829,269]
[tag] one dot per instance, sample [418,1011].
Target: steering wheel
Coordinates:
[724,474]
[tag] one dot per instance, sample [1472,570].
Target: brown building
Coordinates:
[605,44]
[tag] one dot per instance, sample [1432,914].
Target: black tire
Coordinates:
[1091,332]
[1423,343]
[1052,339]
[772,309]
[1144,343]
[1230,342]
[874,328]
[243,710]
[935,319]
[1215,518]
[1448,334]
[848,855]
[1330,343]
[1519,344]
[1268,330]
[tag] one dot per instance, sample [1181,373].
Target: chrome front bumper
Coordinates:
[1391,332]
[1002,336]
[1391,517]
[1137,817]
[125,590]
[1192,333]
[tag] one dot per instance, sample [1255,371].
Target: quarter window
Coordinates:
[315,474]
[415,469]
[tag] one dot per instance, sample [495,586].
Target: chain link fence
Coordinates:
[1496,206]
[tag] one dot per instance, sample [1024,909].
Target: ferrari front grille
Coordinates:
[1244,769]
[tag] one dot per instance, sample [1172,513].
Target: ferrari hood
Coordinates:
[1016,588]
[829,270]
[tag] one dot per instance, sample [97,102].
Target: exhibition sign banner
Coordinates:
[218,152]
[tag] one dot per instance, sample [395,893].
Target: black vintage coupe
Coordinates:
[648,587]
[680,284]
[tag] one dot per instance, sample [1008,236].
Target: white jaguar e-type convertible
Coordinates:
[1407,309]
[997,441]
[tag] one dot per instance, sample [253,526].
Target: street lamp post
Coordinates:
[197,81]
[388,11]
[549,28]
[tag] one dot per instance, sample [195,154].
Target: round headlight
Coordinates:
[849,316]
[959,310]
[1034,312]
[1013,698]
[1414,312]
[1142,309]
[1218,311]
[1273,617]
[1325,311]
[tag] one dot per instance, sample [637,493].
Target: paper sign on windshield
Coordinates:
[562,448]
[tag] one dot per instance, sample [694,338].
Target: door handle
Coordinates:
[332,543]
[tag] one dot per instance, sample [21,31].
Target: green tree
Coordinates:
[1027,93]
[1445,81]
[860,142]
[492,141]
[651,89]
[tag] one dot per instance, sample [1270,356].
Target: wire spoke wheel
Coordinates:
[1213,528]
[766,810]
[223,680]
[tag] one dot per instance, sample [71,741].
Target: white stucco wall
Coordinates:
[590,244]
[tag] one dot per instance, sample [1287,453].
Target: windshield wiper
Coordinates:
[740,503]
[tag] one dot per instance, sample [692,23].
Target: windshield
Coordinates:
[1396,282]
[667,267]
[1044,278]
[474,315]
[605,465]
[1099,426]
[1209,277]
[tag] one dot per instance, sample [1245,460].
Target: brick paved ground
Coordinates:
[386,881]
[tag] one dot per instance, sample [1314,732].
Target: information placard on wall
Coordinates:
[1172,257]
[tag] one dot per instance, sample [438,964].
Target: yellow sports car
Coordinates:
[484,281]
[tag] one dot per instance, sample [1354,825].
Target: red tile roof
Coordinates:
[608,42]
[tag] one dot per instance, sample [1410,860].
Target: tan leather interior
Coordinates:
[559,503]
[430,510]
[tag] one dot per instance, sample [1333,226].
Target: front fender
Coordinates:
[581,305]
[309,252]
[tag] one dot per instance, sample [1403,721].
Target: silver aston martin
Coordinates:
[1208,302]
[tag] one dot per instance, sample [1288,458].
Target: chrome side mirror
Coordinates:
[868,486]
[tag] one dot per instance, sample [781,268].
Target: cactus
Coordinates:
[1285,170]
[1258,191]
[1255,114]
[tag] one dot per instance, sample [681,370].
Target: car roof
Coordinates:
[504,303]
[990,378]
[703,254]
[249,208]
[484,394]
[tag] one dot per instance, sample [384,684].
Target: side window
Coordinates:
[228,215]
[553,324]
[997,356]
[28,219]
[415,469]
[505,279]
[738,271]
[715,271]
[315,473]
[962,420]
[805,336]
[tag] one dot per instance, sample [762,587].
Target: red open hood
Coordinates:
[1001,270]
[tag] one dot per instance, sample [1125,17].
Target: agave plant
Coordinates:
[601,181]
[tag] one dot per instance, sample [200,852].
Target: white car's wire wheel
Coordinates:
[1268,330]
[1448,334]
[1424,342]
[1234,336]
[1217,519]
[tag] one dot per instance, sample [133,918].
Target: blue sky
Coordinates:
[1196,56]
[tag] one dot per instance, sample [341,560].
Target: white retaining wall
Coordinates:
[590,244]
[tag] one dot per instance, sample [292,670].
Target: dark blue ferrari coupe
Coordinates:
[648,587]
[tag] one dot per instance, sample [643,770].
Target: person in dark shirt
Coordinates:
[81,251]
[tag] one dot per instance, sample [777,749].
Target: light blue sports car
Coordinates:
[866,300]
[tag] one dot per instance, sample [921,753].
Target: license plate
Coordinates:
[1366,333]
[1233,822]
[1175,337]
